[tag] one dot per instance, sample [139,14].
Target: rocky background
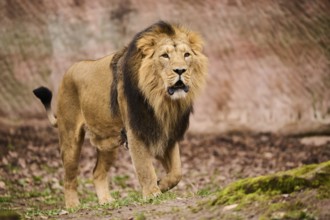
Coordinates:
[268,60]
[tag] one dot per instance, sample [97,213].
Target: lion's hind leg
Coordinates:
[172,165]
[105,159]
[70,146]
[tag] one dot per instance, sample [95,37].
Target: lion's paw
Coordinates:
[72,203]
[106,200]
[151,193]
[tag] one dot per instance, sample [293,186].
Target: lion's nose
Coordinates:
[179,71]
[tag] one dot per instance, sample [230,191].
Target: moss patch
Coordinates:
[288,210]
[295,194]
[263,187]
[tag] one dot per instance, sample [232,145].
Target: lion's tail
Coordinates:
[45,96]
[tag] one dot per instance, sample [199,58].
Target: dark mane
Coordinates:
[114,65]
[142,117]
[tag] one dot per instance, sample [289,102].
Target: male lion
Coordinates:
[146,90]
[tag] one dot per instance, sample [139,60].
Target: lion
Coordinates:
[144,93]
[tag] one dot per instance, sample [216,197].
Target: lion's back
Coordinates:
[88,74]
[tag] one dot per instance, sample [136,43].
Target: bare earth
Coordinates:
[31,174]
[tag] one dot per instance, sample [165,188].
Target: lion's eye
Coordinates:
[165,55]
[187,54]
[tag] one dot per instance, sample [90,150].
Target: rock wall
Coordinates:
[269,60]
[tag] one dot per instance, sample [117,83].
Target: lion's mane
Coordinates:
[152,115]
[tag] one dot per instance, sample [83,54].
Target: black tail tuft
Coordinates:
[44,94]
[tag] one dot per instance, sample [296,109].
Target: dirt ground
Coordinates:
[31,176]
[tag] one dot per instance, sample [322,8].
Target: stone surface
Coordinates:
[269,60]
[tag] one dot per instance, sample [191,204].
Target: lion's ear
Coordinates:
[195,42]
[146,44]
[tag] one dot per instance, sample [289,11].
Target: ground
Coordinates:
[31,180]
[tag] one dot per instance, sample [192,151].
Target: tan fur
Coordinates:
[83,105]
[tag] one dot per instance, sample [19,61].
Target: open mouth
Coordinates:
[179,85]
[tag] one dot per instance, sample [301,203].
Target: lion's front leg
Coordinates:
[142,161]
[172,164]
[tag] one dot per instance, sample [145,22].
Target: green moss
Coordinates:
[298,214]
[302,170]
[140,216]
[261,188]
[324,192]
[282,210]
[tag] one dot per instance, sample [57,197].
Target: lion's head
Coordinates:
[173,66]
[164,69]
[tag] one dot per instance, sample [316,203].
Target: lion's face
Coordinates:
[173,66]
